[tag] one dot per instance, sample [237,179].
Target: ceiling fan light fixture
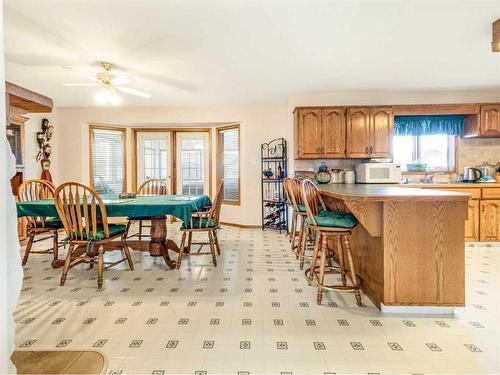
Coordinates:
[108,96]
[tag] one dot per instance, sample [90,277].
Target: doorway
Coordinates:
[180,156]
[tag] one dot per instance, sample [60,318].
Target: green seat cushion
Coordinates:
[302,208]
[196,223]
[114,229]
[334,219]
[50,222]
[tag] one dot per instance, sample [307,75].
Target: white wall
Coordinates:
[258,124]
[347,98]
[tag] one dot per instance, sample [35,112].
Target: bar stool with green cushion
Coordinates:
[152,186]
[203,221]
[292,189]
[83,214]
[31,190]
[334,225]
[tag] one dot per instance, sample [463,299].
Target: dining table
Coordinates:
[153,207]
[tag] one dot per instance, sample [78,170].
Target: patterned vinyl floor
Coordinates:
[252,314]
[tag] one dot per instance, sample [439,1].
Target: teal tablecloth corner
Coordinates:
[180,206]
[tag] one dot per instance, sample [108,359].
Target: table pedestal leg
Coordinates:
[159,245]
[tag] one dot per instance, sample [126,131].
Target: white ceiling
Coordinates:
[240,52]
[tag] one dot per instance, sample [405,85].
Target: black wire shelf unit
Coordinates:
[274,165]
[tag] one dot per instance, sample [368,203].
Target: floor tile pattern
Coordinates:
[252,314]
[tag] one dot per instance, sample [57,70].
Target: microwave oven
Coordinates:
[378,173]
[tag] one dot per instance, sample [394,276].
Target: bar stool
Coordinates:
[336,225]
[292,189]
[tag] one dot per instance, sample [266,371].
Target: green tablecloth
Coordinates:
[179,206]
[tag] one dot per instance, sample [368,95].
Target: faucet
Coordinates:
[429,178]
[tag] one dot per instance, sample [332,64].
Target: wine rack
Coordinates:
[274,165]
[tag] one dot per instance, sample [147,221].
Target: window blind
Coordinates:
[229,163]
[108,161]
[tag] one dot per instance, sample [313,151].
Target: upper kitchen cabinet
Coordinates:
[490,120]
[369,132]
[381,125]
[358,132]
[333,132]
[484,124]
[320,133]
[308,133]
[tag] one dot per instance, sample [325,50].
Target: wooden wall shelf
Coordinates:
[28,100]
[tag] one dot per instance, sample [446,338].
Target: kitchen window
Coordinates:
[228,163]
[107,159]
[437,151]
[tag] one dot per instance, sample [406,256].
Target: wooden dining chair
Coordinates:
[292,189]
[32,190]
[203,221]
[338,226]
[83,214]
[152,186]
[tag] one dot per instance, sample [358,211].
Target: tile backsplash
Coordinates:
[474,151]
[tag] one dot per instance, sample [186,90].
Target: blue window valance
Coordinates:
[429,125]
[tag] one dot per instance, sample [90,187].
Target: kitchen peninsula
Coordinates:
[409,245]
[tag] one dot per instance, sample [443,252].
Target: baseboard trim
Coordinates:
[434,310]
[245,226]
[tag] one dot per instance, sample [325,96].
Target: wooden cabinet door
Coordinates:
[381,125]
[472,223]
[358,133]
[308,133]
[490,120]
[333,132]
[490,220]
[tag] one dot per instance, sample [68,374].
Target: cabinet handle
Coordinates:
[366,150]
[371,149]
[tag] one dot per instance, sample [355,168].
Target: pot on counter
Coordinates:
[472,174]
[487,169]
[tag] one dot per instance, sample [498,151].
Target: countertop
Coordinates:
[391,192]
[451,185]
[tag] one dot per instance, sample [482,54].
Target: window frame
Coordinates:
[452,154]
[219,161]
[93,127]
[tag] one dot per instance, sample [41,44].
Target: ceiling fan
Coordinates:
[110,84]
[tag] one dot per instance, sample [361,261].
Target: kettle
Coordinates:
[472,174]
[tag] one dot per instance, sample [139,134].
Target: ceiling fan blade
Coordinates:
[83,74]
[80,84]
[121,80]
[135,92]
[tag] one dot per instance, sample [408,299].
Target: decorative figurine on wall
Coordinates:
[44,149]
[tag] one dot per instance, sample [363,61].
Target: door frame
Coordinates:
[173,153]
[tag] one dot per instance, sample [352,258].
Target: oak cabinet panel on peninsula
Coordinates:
[490,220]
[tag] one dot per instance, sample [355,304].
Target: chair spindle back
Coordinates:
[312,199]
[34,190]
[292,189]
[81,210]
[153,186]
[217,203]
